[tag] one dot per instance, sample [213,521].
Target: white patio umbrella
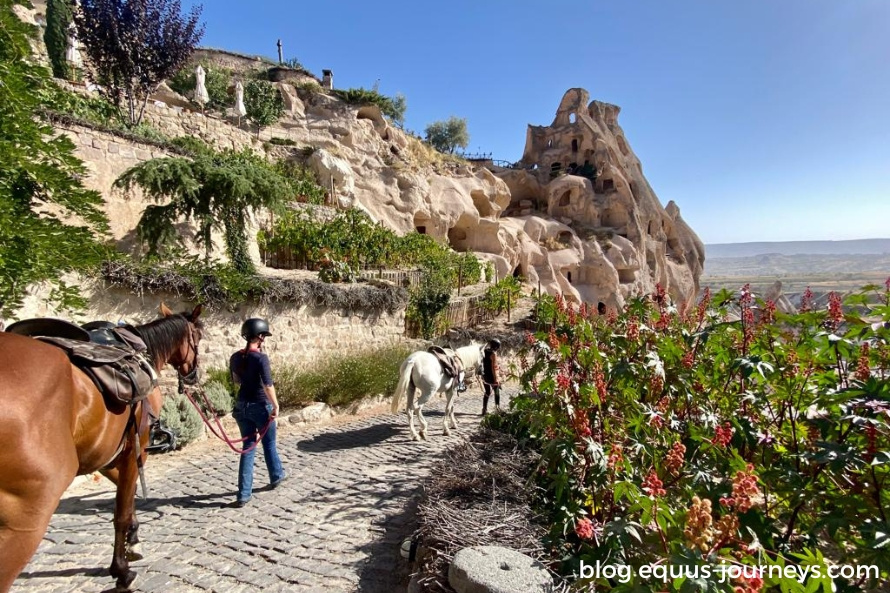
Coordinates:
[240,110]
[201,96]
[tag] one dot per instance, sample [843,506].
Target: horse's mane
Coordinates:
[473,349]
[162,336]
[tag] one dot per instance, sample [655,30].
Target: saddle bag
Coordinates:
[122,374]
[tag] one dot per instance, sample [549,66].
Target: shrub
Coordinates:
[293,64]
[341,380]
[276,141]
[729,435]
[263,103]
[498,296]
[336,271]
[309,88]
[302,179]
[180,416]
[392,108]
[219,396]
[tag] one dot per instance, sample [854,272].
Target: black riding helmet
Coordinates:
[255,328]
[494,344]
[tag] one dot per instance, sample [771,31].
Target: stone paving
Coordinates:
[334,525]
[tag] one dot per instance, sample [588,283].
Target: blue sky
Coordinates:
[765,120]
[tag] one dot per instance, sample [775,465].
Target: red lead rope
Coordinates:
[221,434]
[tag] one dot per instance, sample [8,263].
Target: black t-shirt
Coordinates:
[489,366]
[253,371]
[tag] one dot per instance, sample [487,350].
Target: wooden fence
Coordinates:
[461,312]
[284,259]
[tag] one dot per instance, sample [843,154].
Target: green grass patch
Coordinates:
[340,380]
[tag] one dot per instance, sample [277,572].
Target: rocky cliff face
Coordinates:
[576,215]
[598,232]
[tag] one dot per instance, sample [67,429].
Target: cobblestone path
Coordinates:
[334,525]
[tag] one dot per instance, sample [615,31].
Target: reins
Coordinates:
[219,431]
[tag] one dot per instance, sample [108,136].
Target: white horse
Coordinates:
[423,371]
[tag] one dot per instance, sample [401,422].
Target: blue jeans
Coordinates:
[252,417]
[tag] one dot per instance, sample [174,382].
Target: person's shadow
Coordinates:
[350,439]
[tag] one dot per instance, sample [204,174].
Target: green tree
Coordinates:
[399,107]
[134,45]
[58,19]
[432,295]
[446,136]
[216,190]
[263,103]
[40,191]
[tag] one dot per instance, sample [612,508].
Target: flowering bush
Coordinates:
[729,435]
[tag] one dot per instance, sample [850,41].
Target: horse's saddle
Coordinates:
[112,357]
[449,360]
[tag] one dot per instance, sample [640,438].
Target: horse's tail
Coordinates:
[402,385]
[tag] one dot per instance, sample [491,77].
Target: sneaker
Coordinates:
[277,482]
[238,504]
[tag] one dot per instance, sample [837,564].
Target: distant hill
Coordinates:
[854,247]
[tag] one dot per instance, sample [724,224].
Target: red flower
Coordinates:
[835,309]
[723,435]
[585,529]
[563,381]
[745,492]
[863,369]
[769,313]
[806,301]
[633,329]
[652,485]
[702,307]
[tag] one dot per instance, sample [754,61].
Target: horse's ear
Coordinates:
[165,311]
[197,312]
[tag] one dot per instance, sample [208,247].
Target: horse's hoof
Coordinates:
[124,582]
[134,554]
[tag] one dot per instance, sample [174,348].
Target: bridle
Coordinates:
[190,378]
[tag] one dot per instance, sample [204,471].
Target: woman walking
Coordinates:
[490,375]
[256,408]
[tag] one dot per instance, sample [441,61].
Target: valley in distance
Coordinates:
[824,266]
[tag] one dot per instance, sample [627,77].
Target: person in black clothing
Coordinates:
[490,375]
[256,408]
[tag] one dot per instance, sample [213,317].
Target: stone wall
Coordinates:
[301,335]
[174,122]
[106,156]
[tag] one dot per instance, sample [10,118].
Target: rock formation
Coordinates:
[601,234]
[575,216]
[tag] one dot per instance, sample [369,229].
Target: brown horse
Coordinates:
[55,425]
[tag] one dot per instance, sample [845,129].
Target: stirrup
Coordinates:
[461,387]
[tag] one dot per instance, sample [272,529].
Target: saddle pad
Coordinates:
[122,375]
[88,352]
[48,326]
